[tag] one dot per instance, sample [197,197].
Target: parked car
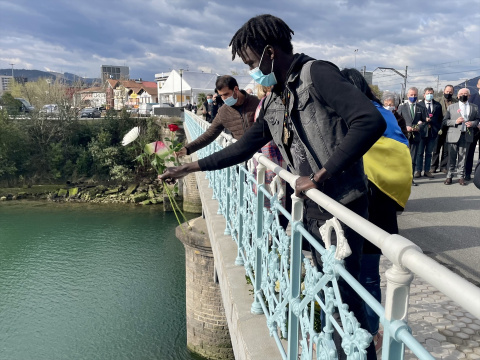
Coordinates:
[90,113]
[26,106]
[50,109]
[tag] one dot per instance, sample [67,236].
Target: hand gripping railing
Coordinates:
[287,286]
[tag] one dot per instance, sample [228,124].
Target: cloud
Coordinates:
[158,35]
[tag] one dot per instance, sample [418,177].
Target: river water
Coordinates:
[85,281]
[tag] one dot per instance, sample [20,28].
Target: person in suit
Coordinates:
[440,154]
[474,99]
[461,119]
[428,132]
[414,116]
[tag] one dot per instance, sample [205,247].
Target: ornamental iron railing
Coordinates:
[287,286]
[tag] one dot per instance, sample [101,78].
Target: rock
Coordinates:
[151,194]
[73,192]
[139,197]
[146,202]
[3,198]
[62,193]
[21,195]
[131,189]
[112,191]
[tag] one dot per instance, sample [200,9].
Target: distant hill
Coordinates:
[471,85]
[34,75]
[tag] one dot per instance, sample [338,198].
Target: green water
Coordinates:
[80,281]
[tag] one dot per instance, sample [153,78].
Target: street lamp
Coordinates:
[12,70]
[181,90]
[355,51]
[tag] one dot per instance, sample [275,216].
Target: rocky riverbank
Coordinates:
[143,193]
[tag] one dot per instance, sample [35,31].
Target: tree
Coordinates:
[11,105]
[376,91]
[43,92]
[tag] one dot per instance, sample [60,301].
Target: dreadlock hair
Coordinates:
[260,31]
[356,78]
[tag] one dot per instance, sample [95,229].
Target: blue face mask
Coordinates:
[230,101]
[260,78]
[209,101]
[412,99]
[429,97]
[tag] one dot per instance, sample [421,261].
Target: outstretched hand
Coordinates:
[182,152]
[171,174]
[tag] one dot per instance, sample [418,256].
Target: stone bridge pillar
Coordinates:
[207,328]
[191,196]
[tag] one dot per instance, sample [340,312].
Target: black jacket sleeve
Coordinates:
[253,140]
[366,124]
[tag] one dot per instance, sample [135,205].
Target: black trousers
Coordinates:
[440,153]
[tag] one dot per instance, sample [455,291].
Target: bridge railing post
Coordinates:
[228,194]
[257,241]
[295,276]
[241,209]
[396,308]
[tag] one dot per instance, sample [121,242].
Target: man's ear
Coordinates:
[270,50]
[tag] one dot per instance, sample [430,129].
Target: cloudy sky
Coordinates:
[436,39]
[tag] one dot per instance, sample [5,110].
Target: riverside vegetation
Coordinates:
[62,158]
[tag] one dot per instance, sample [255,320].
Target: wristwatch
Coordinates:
[312,178]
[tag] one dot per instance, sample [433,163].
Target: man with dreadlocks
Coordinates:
[321,137]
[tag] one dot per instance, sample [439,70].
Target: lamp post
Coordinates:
[181,89]
[355,51]
[12,71]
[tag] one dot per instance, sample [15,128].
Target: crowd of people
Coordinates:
[443,133]
[364,155]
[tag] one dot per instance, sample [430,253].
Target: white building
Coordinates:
[186,87]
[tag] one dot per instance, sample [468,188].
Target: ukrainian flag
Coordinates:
[388,163]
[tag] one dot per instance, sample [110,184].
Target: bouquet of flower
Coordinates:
[158,154]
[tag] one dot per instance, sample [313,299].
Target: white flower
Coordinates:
[131,136]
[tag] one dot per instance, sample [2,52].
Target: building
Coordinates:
[4,83]
[114,72]
[92,97]
[129,93]
[185,87]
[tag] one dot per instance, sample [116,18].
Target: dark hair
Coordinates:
[449,86]
[226,80]
[356,78]
[428,89]
[260,31]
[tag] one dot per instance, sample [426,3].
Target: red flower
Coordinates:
[173,127]
[430,115]
[459,111]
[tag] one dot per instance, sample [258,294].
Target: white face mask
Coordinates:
[389,108]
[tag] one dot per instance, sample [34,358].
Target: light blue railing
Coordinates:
[287,285]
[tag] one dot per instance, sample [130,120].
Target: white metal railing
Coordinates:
[287,286]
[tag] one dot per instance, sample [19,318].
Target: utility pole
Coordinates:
[399,73]
[438,82]
[12,71]
[355,51]
[181,83]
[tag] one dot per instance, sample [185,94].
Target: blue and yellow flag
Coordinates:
[388,163]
